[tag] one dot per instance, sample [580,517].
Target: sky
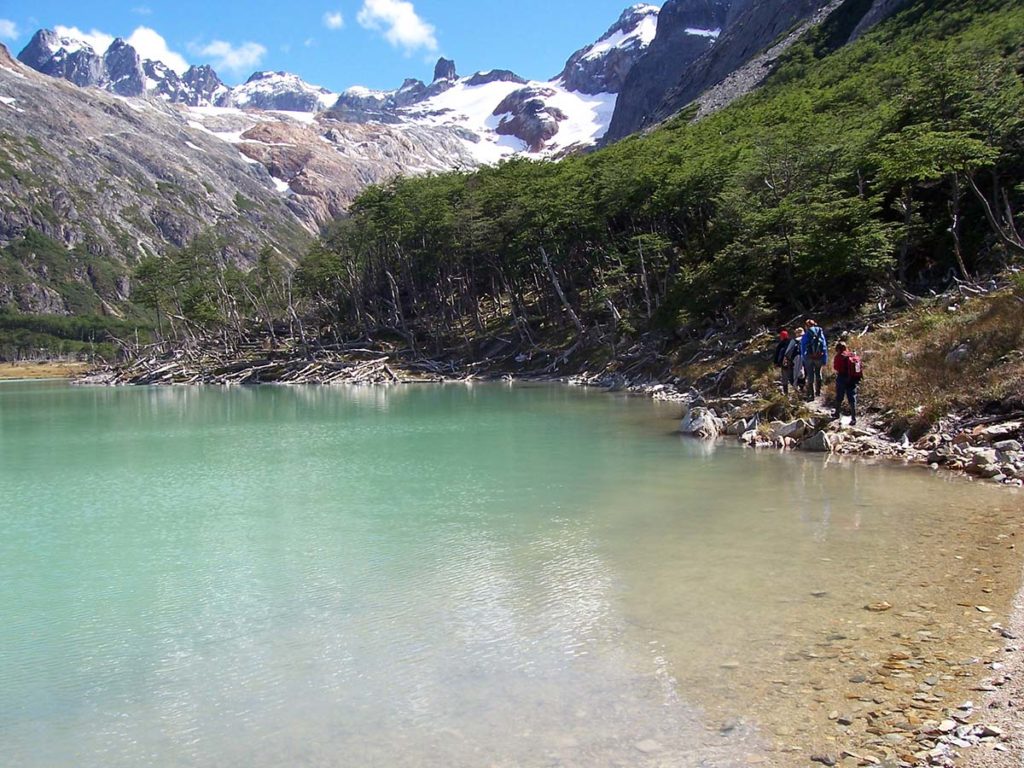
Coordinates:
[337,43]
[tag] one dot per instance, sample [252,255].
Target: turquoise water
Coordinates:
[419,576]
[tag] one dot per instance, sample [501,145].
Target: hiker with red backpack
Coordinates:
[783,362]
[814,351]
[848,375]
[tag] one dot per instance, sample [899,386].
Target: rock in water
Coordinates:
[702,423]
[819,442]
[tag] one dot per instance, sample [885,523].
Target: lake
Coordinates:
[487,575]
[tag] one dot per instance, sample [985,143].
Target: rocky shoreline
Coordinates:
[987,448]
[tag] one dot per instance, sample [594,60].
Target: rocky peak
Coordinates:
[40,49]
[63,57]
[123,70]
[445,70]
[204,86]
[602,67]
[496,76]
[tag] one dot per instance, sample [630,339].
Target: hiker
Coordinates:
[796,360]
[782,362]
[814,350]
[848,376]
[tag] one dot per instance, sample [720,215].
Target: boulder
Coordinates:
[819,442]
[702,423]
[739,427]
[794,430]
[1007,446]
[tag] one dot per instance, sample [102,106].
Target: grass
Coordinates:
[42,370]
[908,373]
[908,376]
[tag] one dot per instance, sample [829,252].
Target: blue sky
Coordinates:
[338,43]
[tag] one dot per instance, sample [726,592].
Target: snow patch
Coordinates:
[640,36]
[710,33]
[281,185]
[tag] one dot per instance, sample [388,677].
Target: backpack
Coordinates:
[854,368]
[816,344]
[780,353]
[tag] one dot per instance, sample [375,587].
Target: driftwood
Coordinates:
[251,359]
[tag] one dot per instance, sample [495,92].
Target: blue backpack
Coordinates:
[816,345]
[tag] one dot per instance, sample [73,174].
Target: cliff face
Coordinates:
[752,34]
[687,29]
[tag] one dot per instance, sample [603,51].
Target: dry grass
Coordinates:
[907,372]
[42,370]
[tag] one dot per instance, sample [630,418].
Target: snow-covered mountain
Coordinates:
[281,91]
[313,151]
[493,114]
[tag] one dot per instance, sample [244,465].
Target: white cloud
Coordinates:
[99,41]
[233,58]
[142,10]
[401,25]
[151,45]
[8,30]
[334,20]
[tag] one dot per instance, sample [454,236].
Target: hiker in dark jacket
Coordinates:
[848,375]
[782,361]
[814,350]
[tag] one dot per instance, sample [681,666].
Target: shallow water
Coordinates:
[454,576]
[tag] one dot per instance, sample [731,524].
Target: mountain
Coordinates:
[729,46]
[278,91]
[104,180]
[602,67]
[141,158]
[495,114]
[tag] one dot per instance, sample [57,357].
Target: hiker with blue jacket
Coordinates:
[814,350]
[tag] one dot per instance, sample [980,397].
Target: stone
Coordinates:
[794,430]
[819,442]
[739,427]
[702,423]
[1007,446]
